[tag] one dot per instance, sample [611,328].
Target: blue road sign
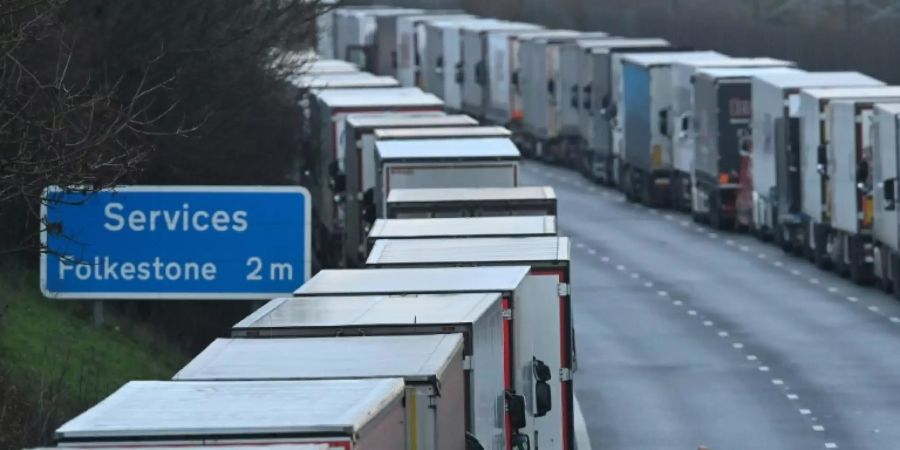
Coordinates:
[176,242]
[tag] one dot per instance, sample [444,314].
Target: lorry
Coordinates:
[359,168]
[721,172]
[443,65]
[430,365]
[477,316]
[329,108]
[646,87]
[386,43]
[683,133]
[438,163]
[325,29]
[885,135]
[411,44]
[541,92]
[604,149]
[578,69]
[810,231]
[462,227]
[776,144]
[317,66]
[546,320]
[527,397]
[471,202]
[476,77]
[355,33]
[347,414]
[850,186]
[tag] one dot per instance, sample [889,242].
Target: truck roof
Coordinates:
[545,35]
[435,195]
[444,280]
[416,359]
[719,73]
[388,252]
[668,58]
[186,409]
[376,310]
[437,149]
[890,108]
[728,61]
[342,80]
[580,35]
[441,132]
[818,79]
[852,92]
[590,43]
[400,119]
[446,15]
[321,66]
[499,26]
[464,226]
[377,97]
[626,43]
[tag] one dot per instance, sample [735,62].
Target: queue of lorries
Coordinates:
[443,316]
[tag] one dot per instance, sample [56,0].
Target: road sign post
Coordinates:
[175,242]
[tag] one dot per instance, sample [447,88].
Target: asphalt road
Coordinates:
[688,336]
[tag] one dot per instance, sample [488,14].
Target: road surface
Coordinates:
[687,336]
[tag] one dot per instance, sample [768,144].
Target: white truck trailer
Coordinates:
[349,414]
[355,30]
[411,47]
[440,163]
[476,77]
[477,316]
[385,42]
[604,104]
[329,109]
[886,225]
[683,135]
[811,231]
[359,168]
[850,186]
[463,227]
[516,291]
[471,202]
[430,365]
[776,144]
[543,326]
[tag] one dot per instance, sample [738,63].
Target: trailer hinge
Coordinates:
[467,362]
[565,374]
[563,289]
[507,314]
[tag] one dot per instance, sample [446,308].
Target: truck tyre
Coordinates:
[859,272]
[895,273]
[820,253]
[887,267]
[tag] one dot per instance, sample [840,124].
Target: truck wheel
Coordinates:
[885,282]
[820,253]
[859,272]
[715,212]
[895,273]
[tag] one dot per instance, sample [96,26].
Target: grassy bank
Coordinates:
[54,362]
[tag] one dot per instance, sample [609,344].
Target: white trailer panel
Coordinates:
[386,44]
[431,366]
[463,227]
[438,163]
[442,53]
[885,149]
[356,413]
[471,202]
[542,321]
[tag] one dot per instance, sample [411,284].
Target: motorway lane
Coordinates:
[690,336]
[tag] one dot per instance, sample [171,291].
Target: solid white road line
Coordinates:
[582,441]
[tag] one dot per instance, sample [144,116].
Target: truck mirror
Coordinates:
[542,397]
[338,183]
[574,95]
[890,194]
[587,97]
[439,65]
[394,59]
[368,206]
[823,158]
[472,442]
[551,86]
[664,122]
[515,407]
[480,76]
[514,78]
[460,75]
[685,122]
